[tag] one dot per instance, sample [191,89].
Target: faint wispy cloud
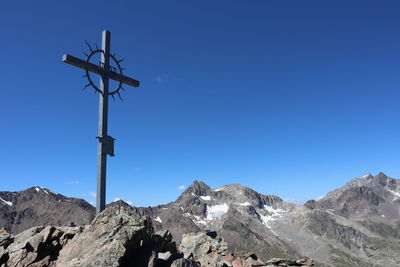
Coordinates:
[73,182]
[92,203]
[136,169]
[129,202]
[165,78]
[117,199]
[90,194]
[181,187]
[161,78]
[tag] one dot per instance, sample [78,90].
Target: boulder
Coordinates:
[115,238]
[38,246]
[208,249]
[182,262]
[5,238]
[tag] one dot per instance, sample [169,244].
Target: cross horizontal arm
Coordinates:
[124,79]
[74,61]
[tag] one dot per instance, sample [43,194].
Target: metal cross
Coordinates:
[106,72]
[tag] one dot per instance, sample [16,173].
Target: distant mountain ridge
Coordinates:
[355,225]
[376,196]
[40,206]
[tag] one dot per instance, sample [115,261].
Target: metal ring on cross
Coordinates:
[118,69]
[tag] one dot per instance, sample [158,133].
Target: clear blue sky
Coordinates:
[292,98]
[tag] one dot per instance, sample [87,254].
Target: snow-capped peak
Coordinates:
[366,175]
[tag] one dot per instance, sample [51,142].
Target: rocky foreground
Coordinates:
[355,225]
[117,237]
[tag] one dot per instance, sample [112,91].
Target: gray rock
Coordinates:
[38,246]
[211,250]
[153,260]
[5,238]
[114,238]
[185,263]
[164,256]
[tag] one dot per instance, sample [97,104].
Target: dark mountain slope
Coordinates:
[39,206]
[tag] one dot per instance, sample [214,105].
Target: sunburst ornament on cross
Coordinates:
[106,72]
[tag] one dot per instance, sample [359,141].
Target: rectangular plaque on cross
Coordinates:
[107,71]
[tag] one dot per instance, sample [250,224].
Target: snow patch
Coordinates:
[193,194]
[244,204]
[383,216]
[219,189]
[198,220]
[208,198]
[266,219]
[158,219]
[274,211]
[396,194]
[39,188]
[6,202]
[216,211]
[275,214]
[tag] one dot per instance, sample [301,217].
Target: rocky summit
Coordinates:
[356,225]
[117,238]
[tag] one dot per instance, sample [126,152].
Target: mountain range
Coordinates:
[355,225]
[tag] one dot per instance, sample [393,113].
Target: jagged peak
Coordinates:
[382,174]
[238,187]
[119,203]
[198,188]
[379,181]
[368,178]
[367,175]
[40,189]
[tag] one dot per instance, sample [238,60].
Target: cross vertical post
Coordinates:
[103,124]
[106,72]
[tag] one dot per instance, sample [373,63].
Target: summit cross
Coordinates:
[106,72]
